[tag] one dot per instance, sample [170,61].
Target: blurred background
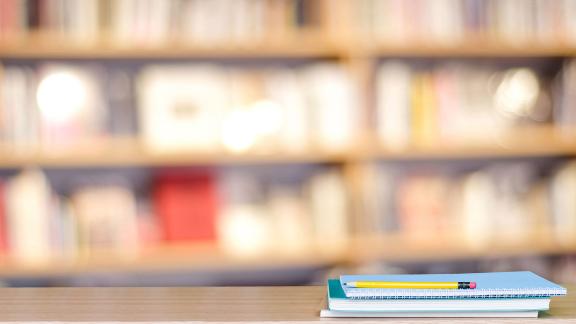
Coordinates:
[273,142]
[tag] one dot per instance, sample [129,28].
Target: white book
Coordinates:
[238,28]
[514,21]
[83,21]
[335,106]
[284,87]
[329,208]
[244,228]
[393,104]
[28,201]
[181,107]
[563,189]
[331,313]
[441,305]
[159,21]
[122,21]
[569,19]
[545,24]
[478,195]
[390,22]
[443,22]
[197,22]
[292,226]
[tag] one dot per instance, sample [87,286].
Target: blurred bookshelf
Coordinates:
[328,133]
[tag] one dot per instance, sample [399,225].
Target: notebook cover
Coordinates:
[522,284]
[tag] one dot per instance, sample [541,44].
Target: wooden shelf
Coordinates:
[44,47]
[304,46]
[108,159]
[381,248]
[127,152]
[470,49]
[199,257]
[542,141]
[403,249]
[477,151]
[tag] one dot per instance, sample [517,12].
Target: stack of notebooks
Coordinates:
[497,294]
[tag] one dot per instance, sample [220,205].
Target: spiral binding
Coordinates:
[381,293]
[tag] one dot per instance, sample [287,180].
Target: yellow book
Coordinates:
[424,110]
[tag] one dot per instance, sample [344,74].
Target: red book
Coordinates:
[187,204]
[7,17]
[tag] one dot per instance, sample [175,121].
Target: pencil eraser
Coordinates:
[472,285]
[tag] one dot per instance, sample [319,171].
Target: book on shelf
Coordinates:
[210,108]
[70,101]
[334,114]
[285,88]
[186,204]
[244,226]
[565,112]
[19,115]
[290,216]
[458,103]
[451,22]
[259,215]
[59,106]
[120,98]
[181,108]
[377,206]
[393,104]
[329,207]
[506,200]
[288,109]
[53,216]
[152,22]
[563,186]
[106,219]
[28,205]
[421,205]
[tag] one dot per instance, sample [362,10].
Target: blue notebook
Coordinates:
[520,284]
[338,303]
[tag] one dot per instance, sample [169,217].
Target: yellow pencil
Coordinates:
[412,285]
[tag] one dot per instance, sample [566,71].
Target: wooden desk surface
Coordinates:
[282,304]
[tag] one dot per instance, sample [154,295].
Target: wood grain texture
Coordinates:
[314,45]
[541,141]
[224,304]
[360,249]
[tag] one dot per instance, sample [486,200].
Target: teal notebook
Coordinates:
[338,302]
[519,284]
